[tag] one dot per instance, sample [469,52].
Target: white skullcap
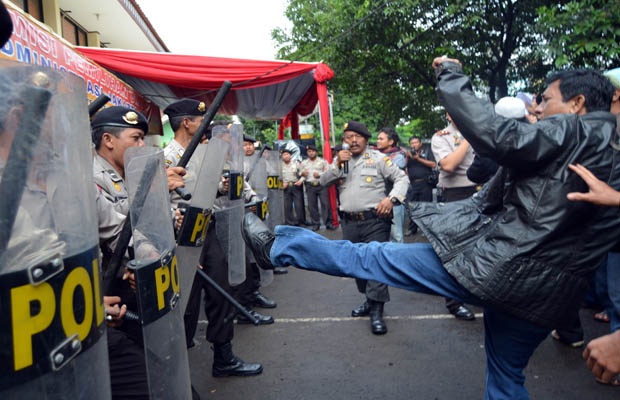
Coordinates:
[614,76]
[510,107]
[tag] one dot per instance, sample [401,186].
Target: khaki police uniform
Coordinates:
[315,192]
[111,184]
[361,190]
[293,195]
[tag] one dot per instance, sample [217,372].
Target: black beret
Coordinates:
[285,150]
[248,138]
[6,25]
[311,147]
[185,107]
[122,117]
[357,127]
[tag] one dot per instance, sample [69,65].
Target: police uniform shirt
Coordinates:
[311,166]
[364,186]
[111,184]
[173,153]
[290,172]
[442,146]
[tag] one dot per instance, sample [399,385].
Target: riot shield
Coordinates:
[260,180]
[275,194]
[229,209]
[52,332]
[157,274]
[197,214]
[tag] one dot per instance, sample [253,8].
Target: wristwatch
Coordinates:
[394,200]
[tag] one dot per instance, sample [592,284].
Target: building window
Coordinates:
[72,31]
[32,7]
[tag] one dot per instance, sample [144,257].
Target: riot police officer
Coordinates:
[185,117]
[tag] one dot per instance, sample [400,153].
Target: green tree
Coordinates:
[381,51]
[583,33]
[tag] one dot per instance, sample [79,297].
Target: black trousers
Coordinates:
[294,213]
[218,310]
[127,367]
[244,292]
[316,194]
[372,230]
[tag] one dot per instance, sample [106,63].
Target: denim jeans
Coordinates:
[613,289]
[398,221]
[509,341]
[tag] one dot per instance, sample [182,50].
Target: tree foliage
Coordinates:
[381,51]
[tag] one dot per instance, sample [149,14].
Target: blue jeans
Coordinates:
[509,341]
[396,233]
[613,289]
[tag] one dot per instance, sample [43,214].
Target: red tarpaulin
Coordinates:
[261,89]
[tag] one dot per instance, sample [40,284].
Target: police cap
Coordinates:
[248,138]
[311,147]
[357,127]
[185,107]
[122,117]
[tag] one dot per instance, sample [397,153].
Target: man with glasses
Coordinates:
[366,206]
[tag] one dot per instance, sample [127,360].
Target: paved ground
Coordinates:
[315,351]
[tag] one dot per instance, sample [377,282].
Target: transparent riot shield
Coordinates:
[229,209]
[157,274]
[197,214]
[275,194]
[53,342]
[259,180]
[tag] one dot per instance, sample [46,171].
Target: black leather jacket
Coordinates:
[519,244]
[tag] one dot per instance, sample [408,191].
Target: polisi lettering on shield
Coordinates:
[161,289]
[194,228]
[274,182]
[44,324]
[236,185]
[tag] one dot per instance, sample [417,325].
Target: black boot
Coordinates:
[377,325]
[363,310]
[226,363]
[258,238]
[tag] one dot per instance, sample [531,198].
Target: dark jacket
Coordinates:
[519,244]
[481,170]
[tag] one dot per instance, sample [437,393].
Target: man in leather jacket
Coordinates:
[518,248]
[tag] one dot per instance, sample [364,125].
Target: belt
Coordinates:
[316,183]
[420,180]
[359,216]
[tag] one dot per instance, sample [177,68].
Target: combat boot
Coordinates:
[226,363]
[377,325]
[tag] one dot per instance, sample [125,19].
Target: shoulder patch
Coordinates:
[114,176]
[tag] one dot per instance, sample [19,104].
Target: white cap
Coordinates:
[510,107]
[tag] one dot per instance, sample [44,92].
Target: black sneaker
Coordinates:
[258,238]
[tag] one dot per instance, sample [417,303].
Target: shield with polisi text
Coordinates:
[197,214]
[157,274]
[53,342]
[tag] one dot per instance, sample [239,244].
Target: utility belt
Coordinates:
[315,183]
[362,215]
